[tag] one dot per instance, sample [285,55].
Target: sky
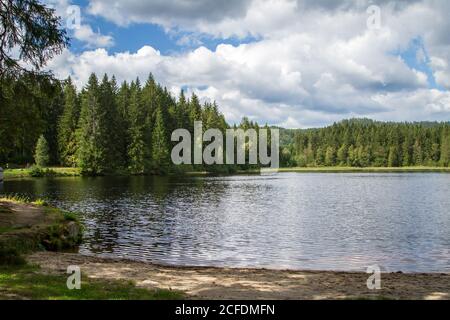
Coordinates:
[292,63]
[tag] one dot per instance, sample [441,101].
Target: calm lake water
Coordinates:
[298,221]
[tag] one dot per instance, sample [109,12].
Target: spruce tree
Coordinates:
[109,122]
[330,156]
[139,147]
[93,153]
[195,110]
[393,158]
[445,147]
[342,155]
[67,126]
[41,155]
[123,123]
[417,154]
[160,146]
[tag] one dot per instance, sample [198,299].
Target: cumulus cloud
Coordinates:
[315,61]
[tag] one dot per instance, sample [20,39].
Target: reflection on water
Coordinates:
[298,221]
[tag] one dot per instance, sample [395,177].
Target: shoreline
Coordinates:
[204,282]
[12,174]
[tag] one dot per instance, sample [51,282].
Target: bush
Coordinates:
[36,171]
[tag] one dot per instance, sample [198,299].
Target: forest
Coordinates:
[368,143]
[108,127]
[103,128]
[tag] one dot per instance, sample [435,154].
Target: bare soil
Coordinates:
[18,215]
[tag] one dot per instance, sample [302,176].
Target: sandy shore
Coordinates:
[230,283]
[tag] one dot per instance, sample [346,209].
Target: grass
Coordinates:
[27,282]
[14,198]
[40,172]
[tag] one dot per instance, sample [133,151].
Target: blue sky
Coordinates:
[295,63]
[416,57]
[136,35]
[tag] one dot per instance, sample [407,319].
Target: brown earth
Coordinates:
[17,215]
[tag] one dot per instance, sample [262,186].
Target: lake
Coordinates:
[320,221]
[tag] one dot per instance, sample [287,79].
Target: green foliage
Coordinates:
[160,154]
[40,202]
[29,109]
[366,143]
[138,150]
[31,32]
[96,144]
[445,148]
[67,142]
[41,155]
[71,216]
[107,129]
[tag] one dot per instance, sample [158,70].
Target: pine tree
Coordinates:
[123,123]
[93,153]
[330,156]
[68,125]
[445,148]
[342,155]
[110,123]
[41,155]
[160,147]
[393,158]
[139,147]
[195,110]
[320,156]
[417,154]
[406,154]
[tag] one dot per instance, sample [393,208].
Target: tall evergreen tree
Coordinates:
[160,146]
[139,147]
[42,153]
[445,147]
[93,153]
[67,141]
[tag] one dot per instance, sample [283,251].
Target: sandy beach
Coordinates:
[230,283]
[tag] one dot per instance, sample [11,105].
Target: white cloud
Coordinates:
[315,62]
[93,39]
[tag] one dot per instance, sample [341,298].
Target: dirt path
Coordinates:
[226,283]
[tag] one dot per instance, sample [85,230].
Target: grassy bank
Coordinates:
[41,172]
[29,282]
[72,172]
